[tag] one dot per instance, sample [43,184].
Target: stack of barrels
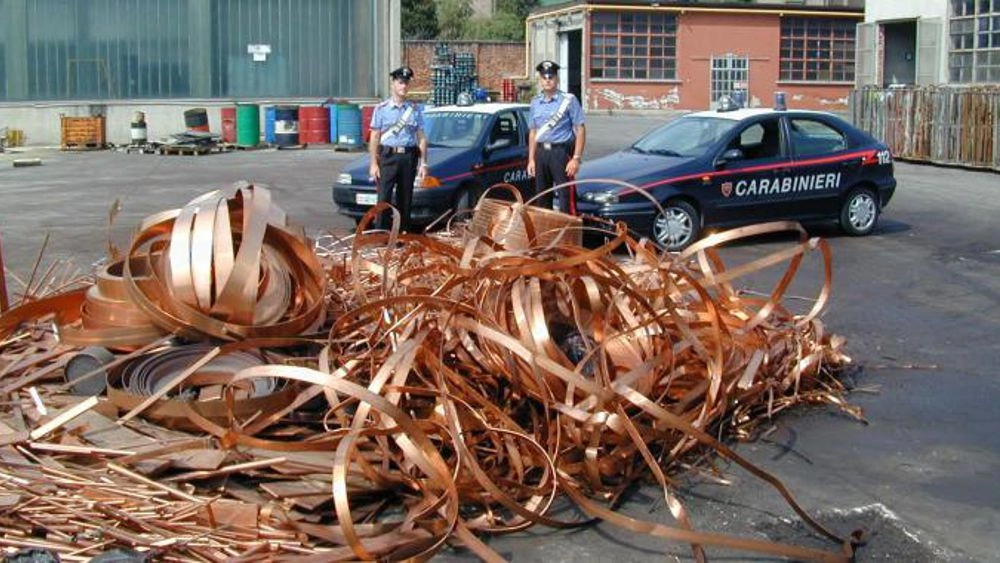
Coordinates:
[285,126]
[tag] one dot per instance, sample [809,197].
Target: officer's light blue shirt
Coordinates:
[386,115]
[542,109]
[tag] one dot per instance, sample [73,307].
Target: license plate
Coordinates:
[366,199]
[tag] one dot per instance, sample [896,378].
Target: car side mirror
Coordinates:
[729,156]
[500,143]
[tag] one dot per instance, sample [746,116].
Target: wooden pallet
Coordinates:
[82,146]
[193,150]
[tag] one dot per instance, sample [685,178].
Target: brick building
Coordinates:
[685,55]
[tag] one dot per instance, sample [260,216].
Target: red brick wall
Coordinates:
[699,37]
[494,61]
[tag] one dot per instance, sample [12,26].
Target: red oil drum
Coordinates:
[508,90]
[314,124]
[366,122]
[229,125]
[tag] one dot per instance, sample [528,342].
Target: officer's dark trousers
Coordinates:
[397,171]
[550,170]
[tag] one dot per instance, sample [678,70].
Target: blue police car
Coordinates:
[471,148]
[729,168]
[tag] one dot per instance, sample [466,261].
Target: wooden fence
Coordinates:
[957,125]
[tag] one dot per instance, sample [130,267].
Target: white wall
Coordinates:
[879,10]
[41,124]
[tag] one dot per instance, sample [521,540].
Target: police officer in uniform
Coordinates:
[397,148]
[556,138]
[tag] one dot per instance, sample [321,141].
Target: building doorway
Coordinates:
[571,61]
[730,75]
[899,56]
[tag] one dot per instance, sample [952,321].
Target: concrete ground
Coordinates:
[918,301]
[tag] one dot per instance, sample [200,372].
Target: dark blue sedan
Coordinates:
[471,148]
[727,168]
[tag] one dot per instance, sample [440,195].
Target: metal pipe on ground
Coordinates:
[4,302]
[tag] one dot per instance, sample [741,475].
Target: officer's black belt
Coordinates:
[550,146]
[386,149]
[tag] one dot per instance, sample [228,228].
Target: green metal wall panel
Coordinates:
[141,49]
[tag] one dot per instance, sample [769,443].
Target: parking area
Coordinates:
[918,301]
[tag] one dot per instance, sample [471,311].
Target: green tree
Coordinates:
[519,8]
[420,19]
[501,27]
[453,17]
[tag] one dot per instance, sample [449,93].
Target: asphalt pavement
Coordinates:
[918,301]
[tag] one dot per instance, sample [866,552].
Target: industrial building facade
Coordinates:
[927,42]
[135,54]
[682,55]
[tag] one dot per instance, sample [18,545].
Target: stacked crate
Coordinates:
[451,73]
[83,133]
[465,73]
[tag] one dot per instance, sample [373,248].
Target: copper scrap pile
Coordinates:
[384,395]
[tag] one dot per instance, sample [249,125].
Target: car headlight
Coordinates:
[427,181]
[601,197]
[344,178]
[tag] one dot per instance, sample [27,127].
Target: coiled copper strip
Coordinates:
[130,384]
[275,286]
[108,317]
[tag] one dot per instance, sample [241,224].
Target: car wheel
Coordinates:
[678,226]
[859,213]
[465,198]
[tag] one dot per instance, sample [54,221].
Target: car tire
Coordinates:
[859,213]
[678,226]
[465,198]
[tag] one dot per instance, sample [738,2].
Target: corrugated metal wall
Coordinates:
[140,49]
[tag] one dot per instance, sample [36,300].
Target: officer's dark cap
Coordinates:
[402,73]
[547,68]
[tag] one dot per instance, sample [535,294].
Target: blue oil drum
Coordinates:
[269,125]
[286,126]
[348,125]
[333,123]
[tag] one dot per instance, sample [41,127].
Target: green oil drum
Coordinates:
[247,125]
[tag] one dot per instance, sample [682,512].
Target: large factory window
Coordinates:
[633,46]
[974,29]
[817,49]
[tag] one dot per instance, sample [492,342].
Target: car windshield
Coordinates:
[454,129]
[686,136]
